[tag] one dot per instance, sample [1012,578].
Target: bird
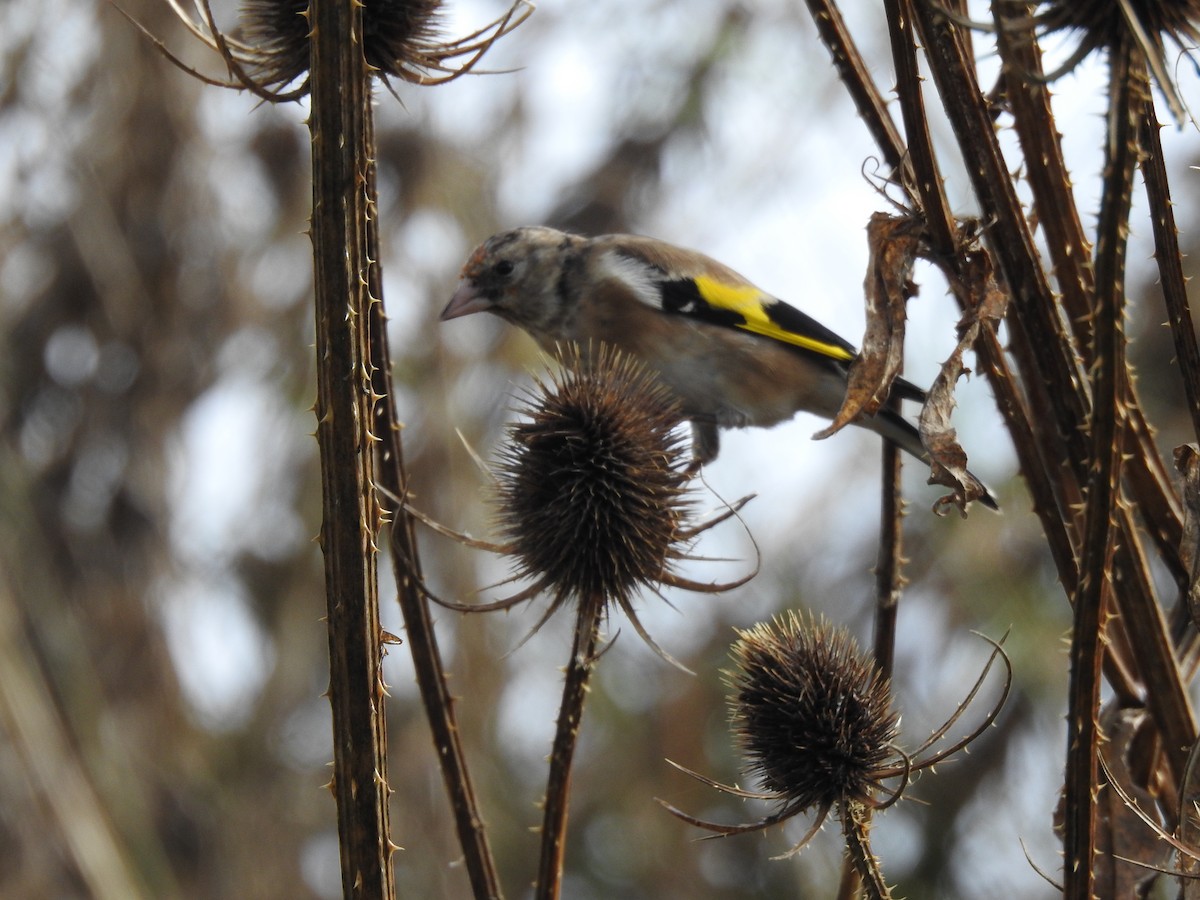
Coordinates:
[732,354]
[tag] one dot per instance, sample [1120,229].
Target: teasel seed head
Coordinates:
[814,718]
[269,53]
[812,713]
[1107,24]
[400,37]
[591,483]
[1102,20]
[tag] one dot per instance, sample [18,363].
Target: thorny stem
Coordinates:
[928,186]
[1076,277]
[856,827]
[1108,358]
[888,584]
[855,75]
[1010,238]
[1168,254]
[340,108]
[1050,422]
[1142,616]
[570,713]
[1174,286]
[414,606]
[888,578]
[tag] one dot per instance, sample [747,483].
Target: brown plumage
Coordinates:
[733,355]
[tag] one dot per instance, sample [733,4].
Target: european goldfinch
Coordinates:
[733,354]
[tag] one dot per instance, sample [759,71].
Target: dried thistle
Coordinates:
[592,499]
[813,715]
[591,489]
[592,484]
[814,719]
[1105,24]
[400,40]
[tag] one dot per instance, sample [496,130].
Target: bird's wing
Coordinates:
[686,283]
[690,284]
[750,309]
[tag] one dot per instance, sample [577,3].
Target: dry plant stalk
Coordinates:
[345,413]
[1106,504]
[333,49]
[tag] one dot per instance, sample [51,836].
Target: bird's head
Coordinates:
[517,275]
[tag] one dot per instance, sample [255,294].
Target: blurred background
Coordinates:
[162,656]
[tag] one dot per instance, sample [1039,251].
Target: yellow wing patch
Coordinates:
[748,302]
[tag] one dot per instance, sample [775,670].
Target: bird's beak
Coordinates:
[466,300]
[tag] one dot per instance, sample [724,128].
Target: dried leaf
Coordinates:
[894,244]
[986,303]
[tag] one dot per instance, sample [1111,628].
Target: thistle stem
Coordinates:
[570,713]
[856,826]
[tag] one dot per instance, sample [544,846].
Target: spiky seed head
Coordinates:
[812,713]
[1148,24]
[398,33]
[591,491]
[1102,20]
[401,39]
[1121,26]
[276,33]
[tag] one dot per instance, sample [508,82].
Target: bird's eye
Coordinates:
[504,268]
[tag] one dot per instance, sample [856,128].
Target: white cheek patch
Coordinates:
[642,280]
